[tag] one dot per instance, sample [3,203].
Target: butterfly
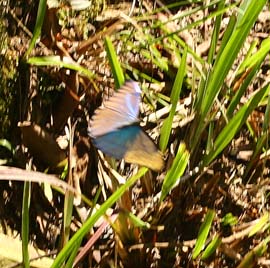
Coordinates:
[115,129]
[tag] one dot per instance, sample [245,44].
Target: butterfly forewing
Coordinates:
[121,109]
[126,100]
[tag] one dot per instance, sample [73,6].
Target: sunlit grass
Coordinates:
[213,89]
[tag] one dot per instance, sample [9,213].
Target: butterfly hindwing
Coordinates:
[116,143]
[132,144]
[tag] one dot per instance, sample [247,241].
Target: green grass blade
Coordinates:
[25,223]
[229,54]
[215,34]
[77,237]
[257,57]
[68,209]
[197,22]
[203,233]
[262,140]
[175,94]
[176,171]
[227,35]
[266,121]
[230,130]
[42,7]
[222,66]
[6,144]
[229,219]
[237,97]
[138,222]
[211,248]
[73,255]
[250,259]
[57,61]
[253,64]
[260,225]
[118,75]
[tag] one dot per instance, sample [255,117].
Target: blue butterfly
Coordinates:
[116,132]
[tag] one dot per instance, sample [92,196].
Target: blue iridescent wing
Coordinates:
[131,144]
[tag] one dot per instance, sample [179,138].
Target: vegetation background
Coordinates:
[203,67]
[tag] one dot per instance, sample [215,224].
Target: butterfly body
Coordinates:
[116,132]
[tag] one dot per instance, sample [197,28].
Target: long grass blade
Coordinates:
[38,26]
[25,222]
[234,125]
[61,63]
[118,75]
[175,94]
[76,239]
[223,64]
[203,233]
[176,171]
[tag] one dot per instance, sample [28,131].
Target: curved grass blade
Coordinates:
[262,140]
[252,63]
[6,144]
[257,57]
[229,54]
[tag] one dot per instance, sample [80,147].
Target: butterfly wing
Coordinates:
[119,110]
[132,144]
